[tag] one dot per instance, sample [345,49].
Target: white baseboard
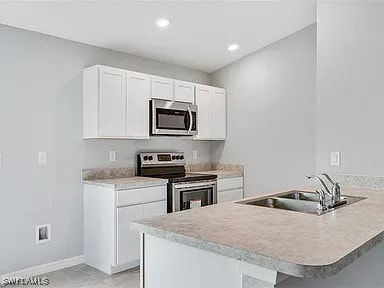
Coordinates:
[46,268]
[120,268]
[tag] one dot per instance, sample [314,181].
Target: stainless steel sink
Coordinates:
[287,204]
[301,195]
[299,201]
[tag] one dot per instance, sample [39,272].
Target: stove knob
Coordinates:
[145,158]
[181,157]
[173,157]
[177,157]
[150,158]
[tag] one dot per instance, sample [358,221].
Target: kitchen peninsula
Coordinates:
[241,246]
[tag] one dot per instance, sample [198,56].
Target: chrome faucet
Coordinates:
[335,190]
[334,193]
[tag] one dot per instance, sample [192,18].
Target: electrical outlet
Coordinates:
[194,154]
[43,233]
[112,156]
[335,158]
[43,158]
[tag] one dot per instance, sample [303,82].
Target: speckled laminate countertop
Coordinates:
[222,173]
[293,243]
[127,183]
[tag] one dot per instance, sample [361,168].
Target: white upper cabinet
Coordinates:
[203,102]
[115,103]
[212,115]
[138,95]
[219,114]
[184,91]
[162,88]
[112,102]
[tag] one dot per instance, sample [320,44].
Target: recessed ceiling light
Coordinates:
[162,22]
[233,47]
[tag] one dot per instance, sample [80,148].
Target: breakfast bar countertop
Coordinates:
[293,243]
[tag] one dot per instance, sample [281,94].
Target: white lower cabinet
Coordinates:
[109,244]
[237,194]
[155,209]
[128,241]
[230,189]
[231,195]
[223,197]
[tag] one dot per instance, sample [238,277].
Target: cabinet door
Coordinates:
[128,241]
[203,102]
[184,91]
[112,121]
[223,197]
[155,209]
[219,114]
[138,94]
[225,184]
[236,194]
[162,88]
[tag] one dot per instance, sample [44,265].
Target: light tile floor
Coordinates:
[85,276]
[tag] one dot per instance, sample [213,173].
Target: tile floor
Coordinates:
[85,276]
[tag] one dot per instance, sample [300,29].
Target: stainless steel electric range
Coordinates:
[185,190]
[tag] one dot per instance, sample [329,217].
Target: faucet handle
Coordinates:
[321,181]
[329,178]
[322,200]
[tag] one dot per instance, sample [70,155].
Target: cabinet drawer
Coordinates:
[141,195]
[229,183]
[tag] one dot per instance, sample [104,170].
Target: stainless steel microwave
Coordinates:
[173,118]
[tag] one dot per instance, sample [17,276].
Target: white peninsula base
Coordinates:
[167,264]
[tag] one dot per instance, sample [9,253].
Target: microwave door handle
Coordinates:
[190,120]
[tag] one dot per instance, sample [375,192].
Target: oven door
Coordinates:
[193,195]
[171,118]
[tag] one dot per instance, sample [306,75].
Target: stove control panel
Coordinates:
[162,158]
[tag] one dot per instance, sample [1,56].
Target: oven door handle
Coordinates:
[190,120]
[195,185]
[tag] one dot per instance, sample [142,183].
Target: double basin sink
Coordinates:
[300,201]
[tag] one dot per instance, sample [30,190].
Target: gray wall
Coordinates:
[41,110]
[350,86]
[271,98]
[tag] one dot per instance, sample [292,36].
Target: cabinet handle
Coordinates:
[137,78]
[190,120]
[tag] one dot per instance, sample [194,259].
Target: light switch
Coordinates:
[112,156]
[43,158]
[1,159]
[335,158]
[194,154]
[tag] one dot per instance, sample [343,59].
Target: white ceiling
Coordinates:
[197,37]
